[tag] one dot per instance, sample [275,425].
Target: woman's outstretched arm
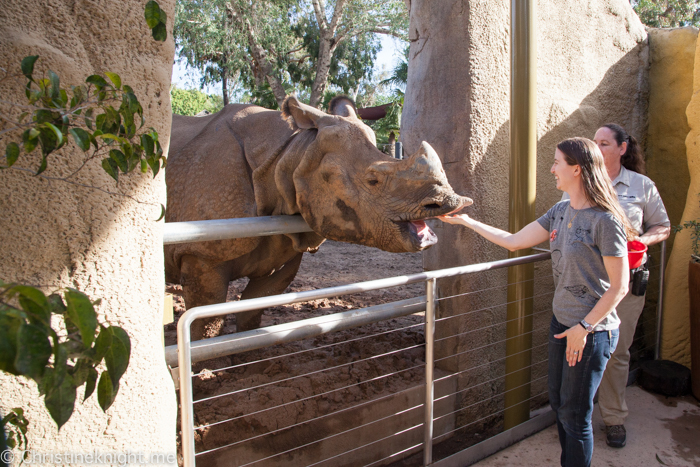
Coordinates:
[530,235]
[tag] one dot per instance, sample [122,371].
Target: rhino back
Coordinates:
[209,173]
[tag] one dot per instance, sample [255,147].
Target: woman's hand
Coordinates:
[455,219]
[575,342]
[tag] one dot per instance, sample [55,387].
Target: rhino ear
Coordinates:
[304,116]
[342,106]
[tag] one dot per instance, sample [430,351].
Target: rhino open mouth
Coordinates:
[421,234]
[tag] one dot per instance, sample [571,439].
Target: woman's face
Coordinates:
[612,152]
[566,175]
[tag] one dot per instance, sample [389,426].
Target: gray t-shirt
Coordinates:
[579,273]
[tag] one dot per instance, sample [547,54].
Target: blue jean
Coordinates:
[571,391]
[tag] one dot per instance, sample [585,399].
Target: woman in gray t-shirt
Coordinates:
[588,238]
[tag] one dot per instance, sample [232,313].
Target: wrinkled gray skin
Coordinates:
[247,161]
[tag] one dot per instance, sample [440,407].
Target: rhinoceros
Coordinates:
[247,161]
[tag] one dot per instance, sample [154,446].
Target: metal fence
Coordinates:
[399,385]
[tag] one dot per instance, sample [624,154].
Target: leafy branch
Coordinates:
[101,117]
[59,363]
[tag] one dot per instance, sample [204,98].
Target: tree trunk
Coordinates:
[224,88]
[392,144]
[325,54]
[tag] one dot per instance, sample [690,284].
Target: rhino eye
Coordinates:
[373,182]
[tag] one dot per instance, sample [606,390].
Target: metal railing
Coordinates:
[188,352]
[185,346]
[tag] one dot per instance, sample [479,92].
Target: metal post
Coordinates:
[398,150]
[186,406]
[523,172]
[660,303]
[429,360]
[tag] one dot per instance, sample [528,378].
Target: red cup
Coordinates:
[635,253]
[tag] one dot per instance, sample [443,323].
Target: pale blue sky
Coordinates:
[387,58]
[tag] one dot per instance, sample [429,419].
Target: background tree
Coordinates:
[275,47]
[668,13]
[193,102]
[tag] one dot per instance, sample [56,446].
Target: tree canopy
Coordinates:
[272,48]
[668,13]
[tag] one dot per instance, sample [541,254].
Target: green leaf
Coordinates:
[33,351]
[81,138]
[118,353]
[57,132]
[111,168]
[30,138]
[97,80]
[47,139]
[144,166]
[152,14]
[90,383]
[60,401]
[106,391]
[147,144]
[120,159]
[44,115]
[11,153]
[9,326]
[42,166]
[55,85]
[114,78]
[81,312]
[154,163]
[28,65]
[102,343]
[162,213]
[159,32]
[88,118]
[35,303]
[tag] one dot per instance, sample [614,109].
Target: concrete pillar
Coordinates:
[60,235]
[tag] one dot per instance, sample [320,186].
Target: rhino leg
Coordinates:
[274,284]
[203,283]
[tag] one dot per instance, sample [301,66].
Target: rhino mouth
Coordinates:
[419,234]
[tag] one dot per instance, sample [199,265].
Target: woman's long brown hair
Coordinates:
[597,186]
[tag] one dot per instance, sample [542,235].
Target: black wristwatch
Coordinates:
[586,326]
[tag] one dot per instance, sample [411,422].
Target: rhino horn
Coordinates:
[426,163]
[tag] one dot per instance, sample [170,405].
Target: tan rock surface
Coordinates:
[61,235]
[675,337]
[672,56]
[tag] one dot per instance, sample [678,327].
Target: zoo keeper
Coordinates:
[588,236]
[641,202]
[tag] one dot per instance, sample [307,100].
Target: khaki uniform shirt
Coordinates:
[640,200]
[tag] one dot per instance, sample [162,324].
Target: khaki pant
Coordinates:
[611,394]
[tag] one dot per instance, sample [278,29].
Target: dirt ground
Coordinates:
[258,396]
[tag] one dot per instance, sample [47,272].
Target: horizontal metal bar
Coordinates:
[297,330]
[211,311]
[221,229]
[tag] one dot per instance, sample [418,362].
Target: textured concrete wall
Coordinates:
[672,56]
[675,343]
[62,235]
[592,68]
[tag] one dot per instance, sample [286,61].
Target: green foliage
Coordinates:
[60,361]
[192,101]
[101,117]
[156,20]
[668,13]
[15,425]
[275,45]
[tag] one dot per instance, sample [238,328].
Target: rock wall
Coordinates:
[672,56]
[57,234]
[675,336]
[592,69]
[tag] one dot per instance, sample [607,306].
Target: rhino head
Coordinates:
[347,190]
